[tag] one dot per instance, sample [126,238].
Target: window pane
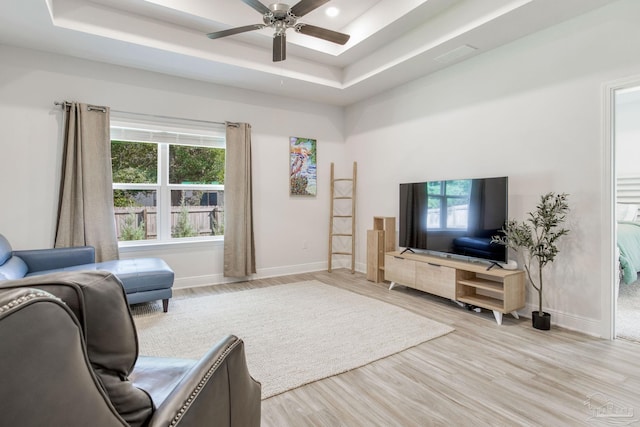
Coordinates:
[135,214]
[434,187]
[134,162]
[196,165]
[457,213]
[458,187]
[434,214]
[197,213]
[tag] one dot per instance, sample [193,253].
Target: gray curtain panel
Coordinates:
[85,212]
[239,247]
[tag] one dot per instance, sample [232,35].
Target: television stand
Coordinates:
[501,291]
[407,250]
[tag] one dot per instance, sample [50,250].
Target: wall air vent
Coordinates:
[455,54]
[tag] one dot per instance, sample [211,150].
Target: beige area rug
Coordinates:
[294,334]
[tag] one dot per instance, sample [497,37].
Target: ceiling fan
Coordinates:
[280,17]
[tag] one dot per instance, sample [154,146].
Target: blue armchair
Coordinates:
[143,279]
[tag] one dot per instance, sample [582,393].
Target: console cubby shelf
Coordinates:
[498,290]
[483,301]
[488,285]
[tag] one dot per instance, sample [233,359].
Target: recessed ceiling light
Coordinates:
[332,11]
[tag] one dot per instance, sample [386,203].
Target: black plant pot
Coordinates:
[541,321]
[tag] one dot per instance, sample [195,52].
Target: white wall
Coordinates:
[531,110]
[30,155]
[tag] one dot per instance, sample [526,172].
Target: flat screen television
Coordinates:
[455,218]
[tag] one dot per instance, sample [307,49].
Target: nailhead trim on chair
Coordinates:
[23,299]
[201,384]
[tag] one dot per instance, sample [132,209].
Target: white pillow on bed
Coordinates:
[626,211]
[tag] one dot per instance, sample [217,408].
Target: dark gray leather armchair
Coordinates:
[69,357]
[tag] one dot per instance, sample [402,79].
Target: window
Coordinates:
[168,179]
[448,204]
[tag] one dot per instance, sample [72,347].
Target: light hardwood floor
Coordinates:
[482,374]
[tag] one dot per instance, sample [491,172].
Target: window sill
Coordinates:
[137,246]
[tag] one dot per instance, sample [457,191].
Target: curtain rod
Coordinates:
[67,104]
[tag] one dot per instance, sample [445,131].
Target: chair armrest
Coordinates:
[51,259]
[218,390]
[52,383]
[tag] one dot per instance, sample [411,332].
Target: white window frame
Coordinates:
[165,131]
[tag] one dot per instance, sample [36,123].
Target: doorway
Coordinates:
[625,135]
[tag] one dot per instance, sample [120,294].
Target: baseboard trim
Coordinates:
[573,322]
[263,273]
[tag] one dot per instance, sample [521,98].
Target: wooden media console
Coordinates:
[501,291]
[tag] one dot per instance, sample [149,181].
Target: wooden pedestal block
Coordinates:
[375,255]
[380,240]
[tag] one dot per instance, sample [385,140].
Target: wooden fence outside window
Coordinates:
[203,220]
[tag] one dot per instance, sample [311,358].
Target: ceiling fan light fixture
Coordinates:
[280,17]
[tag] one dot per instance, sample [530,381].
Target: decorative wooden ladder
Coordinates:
[332,229]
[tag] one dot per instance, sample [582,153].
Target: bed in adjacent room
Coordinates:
[628,234]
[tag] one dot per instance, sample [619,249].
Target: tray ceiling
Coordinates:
[392,41]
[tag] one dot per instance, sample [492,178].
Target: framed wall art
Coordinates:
[302,166]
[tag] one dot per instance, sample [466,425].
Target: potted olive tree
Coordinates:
[536,239]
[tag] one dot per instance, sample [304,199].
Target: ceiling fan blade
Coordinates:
[262,9]
[323,33]
[232,31]
[305,6]
[279,47]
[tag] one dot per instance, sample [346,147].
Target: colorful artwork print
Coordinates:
[302,166]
